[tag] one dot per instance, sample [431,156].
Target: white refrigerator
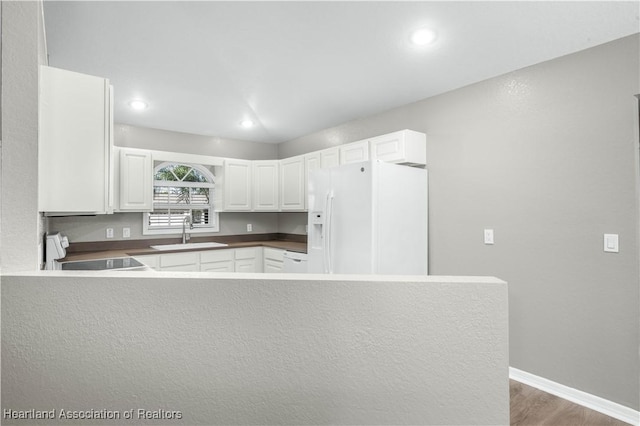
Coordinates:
[368,218]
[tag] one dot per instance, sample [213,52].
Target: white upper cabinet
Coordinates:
[405,146]
[354,152]
[265,185]
[75,159]
[292,184]
[135,180]
[312,162]
[329,157]
[237,185]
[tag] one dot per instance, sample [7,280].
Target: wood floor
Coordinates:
[533,407]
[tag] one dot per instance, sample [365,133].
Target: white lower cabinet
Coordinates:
[217,261]
[180,261]
[248,259]
[273,260]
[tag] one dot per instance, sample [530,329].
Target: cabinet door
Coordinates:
[217,255]
[248,259]
[136,184]
[75,143]
[246,265]
[405,146]
[354,152]
[180,262]
[273,260]
[222,266]
[312,162]
[272,267]
[292,184]
[217,260]
[237,185]
[265,185]
[329,157]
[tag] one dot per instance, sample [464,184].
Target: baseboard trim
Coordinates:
[579,397]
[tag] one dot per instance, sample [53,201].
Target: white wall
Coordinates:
[547,156]
[249,349]
[23,50]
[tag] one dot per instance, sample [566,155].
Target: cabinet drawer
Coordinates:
[272,266]
[216,255]
[180,268]
[178,259]
[222,266]
[246,265]
[274,254]
[246,253]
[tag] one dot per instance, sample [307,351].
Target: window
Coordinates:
[181,191]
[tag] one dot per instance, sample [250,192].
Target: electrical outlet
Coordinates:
[249,227]
[126,232]
[488,236]
[611,243]
[109,232]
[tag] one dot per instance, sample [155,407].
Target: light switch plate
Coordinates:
[488,236]
[109,232]
[611,243]
[126,232]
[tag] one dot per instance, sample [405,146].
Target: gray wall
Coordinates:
[547,157]
[93,228]
[162,140]
[255,349]
[23,50]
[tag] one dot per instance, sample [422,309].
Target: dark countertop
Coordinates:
[104,250]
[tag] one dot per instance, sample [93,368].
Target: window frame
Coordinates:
[214,218]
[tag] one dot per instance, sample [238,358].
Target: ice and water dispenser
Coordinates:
[315,230]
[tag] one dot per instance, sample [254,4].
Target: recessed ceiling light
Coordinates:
[423,37]
[138,105]
[247,124]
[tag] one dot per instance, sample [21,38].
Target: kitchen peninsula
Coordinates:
[236,348]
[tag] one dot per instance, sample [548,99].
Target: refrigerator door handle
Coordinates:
[328,267]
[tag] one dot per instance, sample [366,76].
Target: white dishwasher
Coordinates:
[294,262]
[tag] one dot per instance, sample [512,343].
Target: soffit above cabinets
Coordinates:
[294,68]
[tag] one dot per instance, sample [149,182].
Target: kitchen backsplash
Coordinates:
[94,228]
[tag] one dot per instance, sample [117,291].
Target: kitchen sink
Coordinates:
[188,246]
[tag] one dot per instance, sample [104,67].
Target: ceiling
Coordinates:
[298,67]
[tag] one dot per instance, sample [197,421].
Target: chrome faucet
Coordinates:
[185,236]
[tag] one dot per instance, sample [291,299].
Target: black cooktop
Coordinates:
[101,264]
